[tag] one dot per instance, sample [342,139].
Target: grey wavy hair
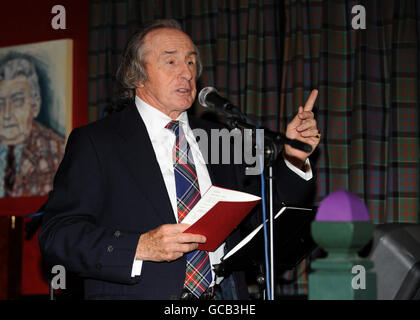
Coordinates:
[14,67]
[132,68]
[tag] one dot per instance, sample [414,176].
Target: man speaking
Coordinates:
[115,214]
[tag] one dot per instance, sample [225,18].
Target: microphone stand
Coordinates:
[272,143]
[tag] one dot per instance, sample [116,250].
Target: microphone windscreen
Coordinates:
[203,94]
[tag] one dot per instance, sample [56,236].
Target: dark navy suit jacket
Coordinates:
[109,189]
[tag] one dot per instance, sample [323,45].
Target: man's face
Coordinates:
[16,111]
[171,66]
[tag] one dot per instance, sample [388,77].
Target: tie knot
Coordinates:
[173,125]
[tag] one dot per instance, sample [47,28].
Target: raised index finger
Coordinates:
[311,100]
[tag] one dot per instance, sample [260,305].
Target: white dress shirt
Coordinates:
[163,141]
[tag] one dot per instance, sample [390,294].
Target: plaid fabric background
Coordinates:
[367,106]
[238,43]
[111,24]
[266,56]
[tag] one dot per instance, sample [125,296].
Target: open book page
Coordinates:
[212,196]
[217,214]
[249,237]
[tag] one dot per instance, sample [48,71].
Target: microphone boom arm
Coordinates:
[209,97]
[274,139]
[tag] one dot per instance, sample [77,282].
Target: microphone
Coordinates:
[210,98]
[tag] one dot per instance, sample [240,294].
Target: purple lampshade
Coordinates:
[342,206]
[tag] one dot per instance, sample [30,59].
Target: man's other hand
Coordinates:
[303,127]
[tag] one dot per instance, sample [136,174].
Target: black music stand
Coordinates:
[293,243]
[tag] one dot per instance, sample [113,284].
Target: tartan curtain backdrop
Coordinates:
[367,108]
[111,24]
[238,43]
[368,99]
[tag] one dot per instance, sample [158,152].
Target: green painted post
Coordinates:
[342,227]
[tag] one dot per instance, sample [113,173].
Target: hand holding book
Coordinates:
[218,213]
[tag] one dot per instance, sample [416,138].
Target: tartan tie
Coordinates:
[198,273]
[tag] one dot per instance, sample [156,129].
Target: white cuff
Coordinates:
[136,270]
[304,175]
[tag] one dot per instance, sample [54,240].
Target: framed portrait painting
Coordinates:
[35,119]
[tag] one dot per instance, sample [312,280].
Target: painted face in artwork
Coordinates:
[16,110]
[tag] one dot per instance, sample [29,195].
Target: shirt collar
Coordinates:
[154,119]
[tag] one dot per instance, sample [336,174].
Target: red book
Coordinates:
[218,213]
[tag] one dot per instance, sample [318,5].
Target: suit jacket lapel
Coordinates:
[141,160]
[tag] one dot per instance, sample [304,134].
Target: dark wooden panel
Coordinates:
[4,256]
[11,232]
